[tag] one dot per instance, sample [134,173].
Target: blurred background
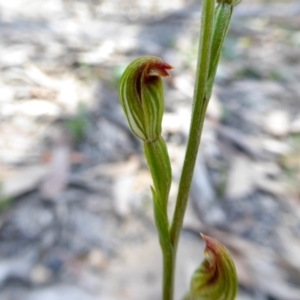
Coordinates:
[76,216]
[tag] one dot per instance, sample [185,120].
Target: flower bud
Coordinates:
[141,96]
[216,278]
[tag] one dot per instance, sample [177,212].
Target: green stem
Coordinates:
[162,225]
[198,114]
[158,160]
[159,163]
[214,26]
[168,275]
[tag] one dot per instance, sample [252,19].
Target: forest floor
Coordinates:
[76,217]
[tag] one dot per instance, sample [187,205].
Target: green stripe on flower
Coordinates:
[141,96]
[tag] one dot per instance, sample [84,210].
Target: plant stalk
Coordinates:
[200,103]
[168,276]
[158,160]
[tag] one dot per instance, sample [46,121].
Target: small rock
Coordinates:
[123,198]
[295,125]
[40,275]
[277,123]
[7,93]
[37,108]
[69,94]
[57,178]
[268,185]
[61,292]
[240,178]
[275,147]
[16,267]
[203,195]
[97,259]
[170,123]
[243,296]
[267,169]
[184,83]
[15,56]
[98,55]
[23,180]
[214,109]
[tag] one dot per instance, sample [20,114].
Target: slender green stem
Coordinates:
[167,250]
[158,160]
[198,114]
[168,276]
[141,96]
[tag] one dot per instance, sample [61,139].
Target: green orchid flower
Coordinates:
[216,278]
[141,96]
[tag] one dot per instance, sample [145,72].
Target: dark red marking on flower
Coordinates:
[211,244]
[158,68]
[212,251]
[149,72]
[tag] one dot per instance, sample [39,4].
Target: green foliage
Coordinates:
[5,201]
[142,99]
[77,126]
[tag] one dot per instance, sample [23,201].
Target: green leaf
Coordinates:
[162,223]
[216,278]
[141,96]
[222,18]
[158,160]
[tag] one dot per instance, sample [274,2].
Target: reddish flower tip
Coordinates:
[158,68]
[216,277]
[210,242]
[212,245]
